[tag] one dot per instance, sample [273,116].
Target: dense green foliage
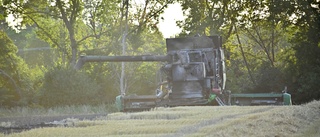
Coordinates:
[267,53]
[16,80]
[63,86]
[269,45]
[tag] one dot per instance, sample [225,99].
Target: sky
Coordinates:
[168,26]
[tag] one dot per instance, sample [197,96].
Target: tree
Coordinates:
[300,41]
[34,51]
[16,87]
[304,14]
[61,23]
[258,58]
[144,18]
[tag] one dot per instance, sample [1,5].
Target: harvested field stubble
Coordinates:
[218,121]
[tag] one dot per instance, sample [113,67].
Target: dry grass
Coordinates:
[228,121]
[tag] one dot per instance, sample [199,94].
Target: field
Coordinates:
[264,121]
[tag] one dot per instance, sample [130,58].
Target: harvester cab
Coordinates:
[195,70]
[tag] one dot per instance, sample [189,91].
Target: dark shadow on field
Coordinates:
[20,124]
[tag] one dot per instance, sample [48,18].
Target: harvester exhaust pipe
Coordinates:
[80,63]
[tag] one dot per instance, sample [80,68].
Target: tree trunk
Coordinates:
[244,57]
[74,48]
[70,26]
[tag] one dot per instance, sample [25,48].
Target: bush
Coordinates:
[269,79]
[63,86]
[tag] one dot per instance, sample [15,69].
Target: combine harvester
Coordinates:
[195,75]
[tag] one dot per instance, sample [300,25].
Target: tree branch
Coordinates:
[63,15]
[48,35]
[152,15]
[42,12]
[244,57]
[12,81]
[260,44]
[92,35]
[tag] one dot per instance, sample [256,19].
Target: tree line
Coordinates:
[269,45]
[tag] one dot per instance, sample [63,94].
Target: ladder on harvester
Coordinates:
[220,102]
